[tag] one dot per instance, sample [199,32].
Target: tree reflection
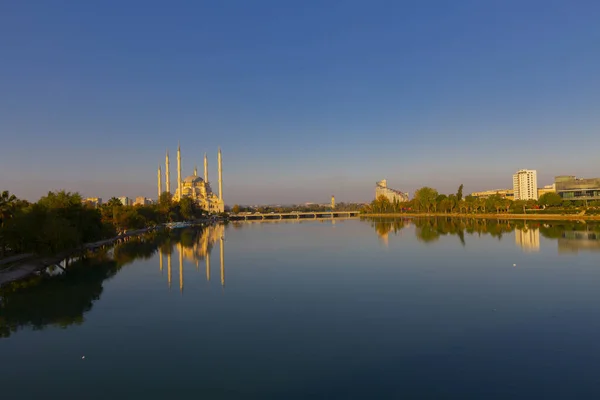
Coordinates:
[52,299]
[429,230]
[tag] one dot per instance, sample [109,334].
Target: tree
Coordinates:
[452,202]
[459,193]
[471,202]
[235,209]
[7,206]
[440,202]
[426,197]
[186,208]
[550,200]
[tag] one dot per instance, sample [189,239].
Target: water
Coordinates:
[352,309]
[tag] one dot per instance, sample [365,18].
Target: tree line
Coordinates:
[429,200]
[60,221]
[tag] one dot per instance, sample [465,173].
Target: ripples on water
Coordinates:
[387,308]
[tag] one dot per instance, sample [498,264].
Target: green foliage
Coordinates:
[425,198]
[60,221]
[550,200]
[459,193]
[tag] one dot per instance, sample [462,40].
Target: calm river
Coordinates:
[350,309]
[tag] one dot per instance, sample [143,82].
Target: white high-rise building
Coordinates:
[525,185]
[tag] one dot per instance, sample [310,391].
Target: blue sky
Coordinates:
[307,99]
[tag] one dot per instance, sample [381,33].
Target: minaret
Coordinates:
[222,260]
[159,182]
[178,172]
[332,202]
[167,177]
[220,161]
[205,168]
[196,170]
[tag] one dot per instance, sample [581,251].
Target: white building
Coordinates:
[381,189]
[525,185]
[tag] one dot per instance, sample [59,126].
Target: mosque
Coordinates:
[193,186]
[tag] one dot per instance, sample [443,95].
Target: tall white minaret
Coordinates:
[205,168]
[167,177]
[159,182]
[196,170]
[220,161]
[178,172]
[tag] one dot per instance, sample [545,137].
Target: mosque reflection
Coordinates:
[193,246]
[57,298]
[571,236]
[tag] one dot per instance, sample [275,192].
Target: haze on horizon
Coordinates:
[306,100]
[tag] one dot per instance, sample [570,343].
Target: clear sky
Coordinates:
[306,98]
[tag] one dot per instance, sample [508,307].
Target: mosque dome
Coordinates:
[192,179]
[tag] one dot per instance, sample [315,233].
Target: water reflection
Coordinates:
[194,245]
[62,299]
[571,236]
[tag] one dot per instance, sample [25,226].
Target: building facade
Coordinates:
[392,195]
[142,201]
[195,187]
[525,185]
[546,189]
[572,188]
[125,200]
[93,201]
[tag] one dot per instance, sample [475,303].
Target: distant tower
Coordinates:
[220,161]
[167,177]
[178,172]
[196,170]
[159,182]
[332,202]
[205,168]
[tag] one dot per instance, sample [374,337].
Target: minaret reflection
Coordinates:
[222,255]
[208,266]
[200,247]
[169,268]
[180,267]
[160,257]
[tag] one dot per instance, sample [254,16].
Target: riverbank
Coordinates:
[538,217]
[22,266]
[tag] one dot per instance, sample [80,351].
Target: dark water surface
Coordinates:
[419,309]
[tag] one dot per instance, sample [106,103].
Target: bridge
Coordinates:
[293,215]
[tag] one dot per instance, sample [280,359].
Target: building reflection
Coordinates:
[194,246]
[528,239]
[385,227]
[575,241]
